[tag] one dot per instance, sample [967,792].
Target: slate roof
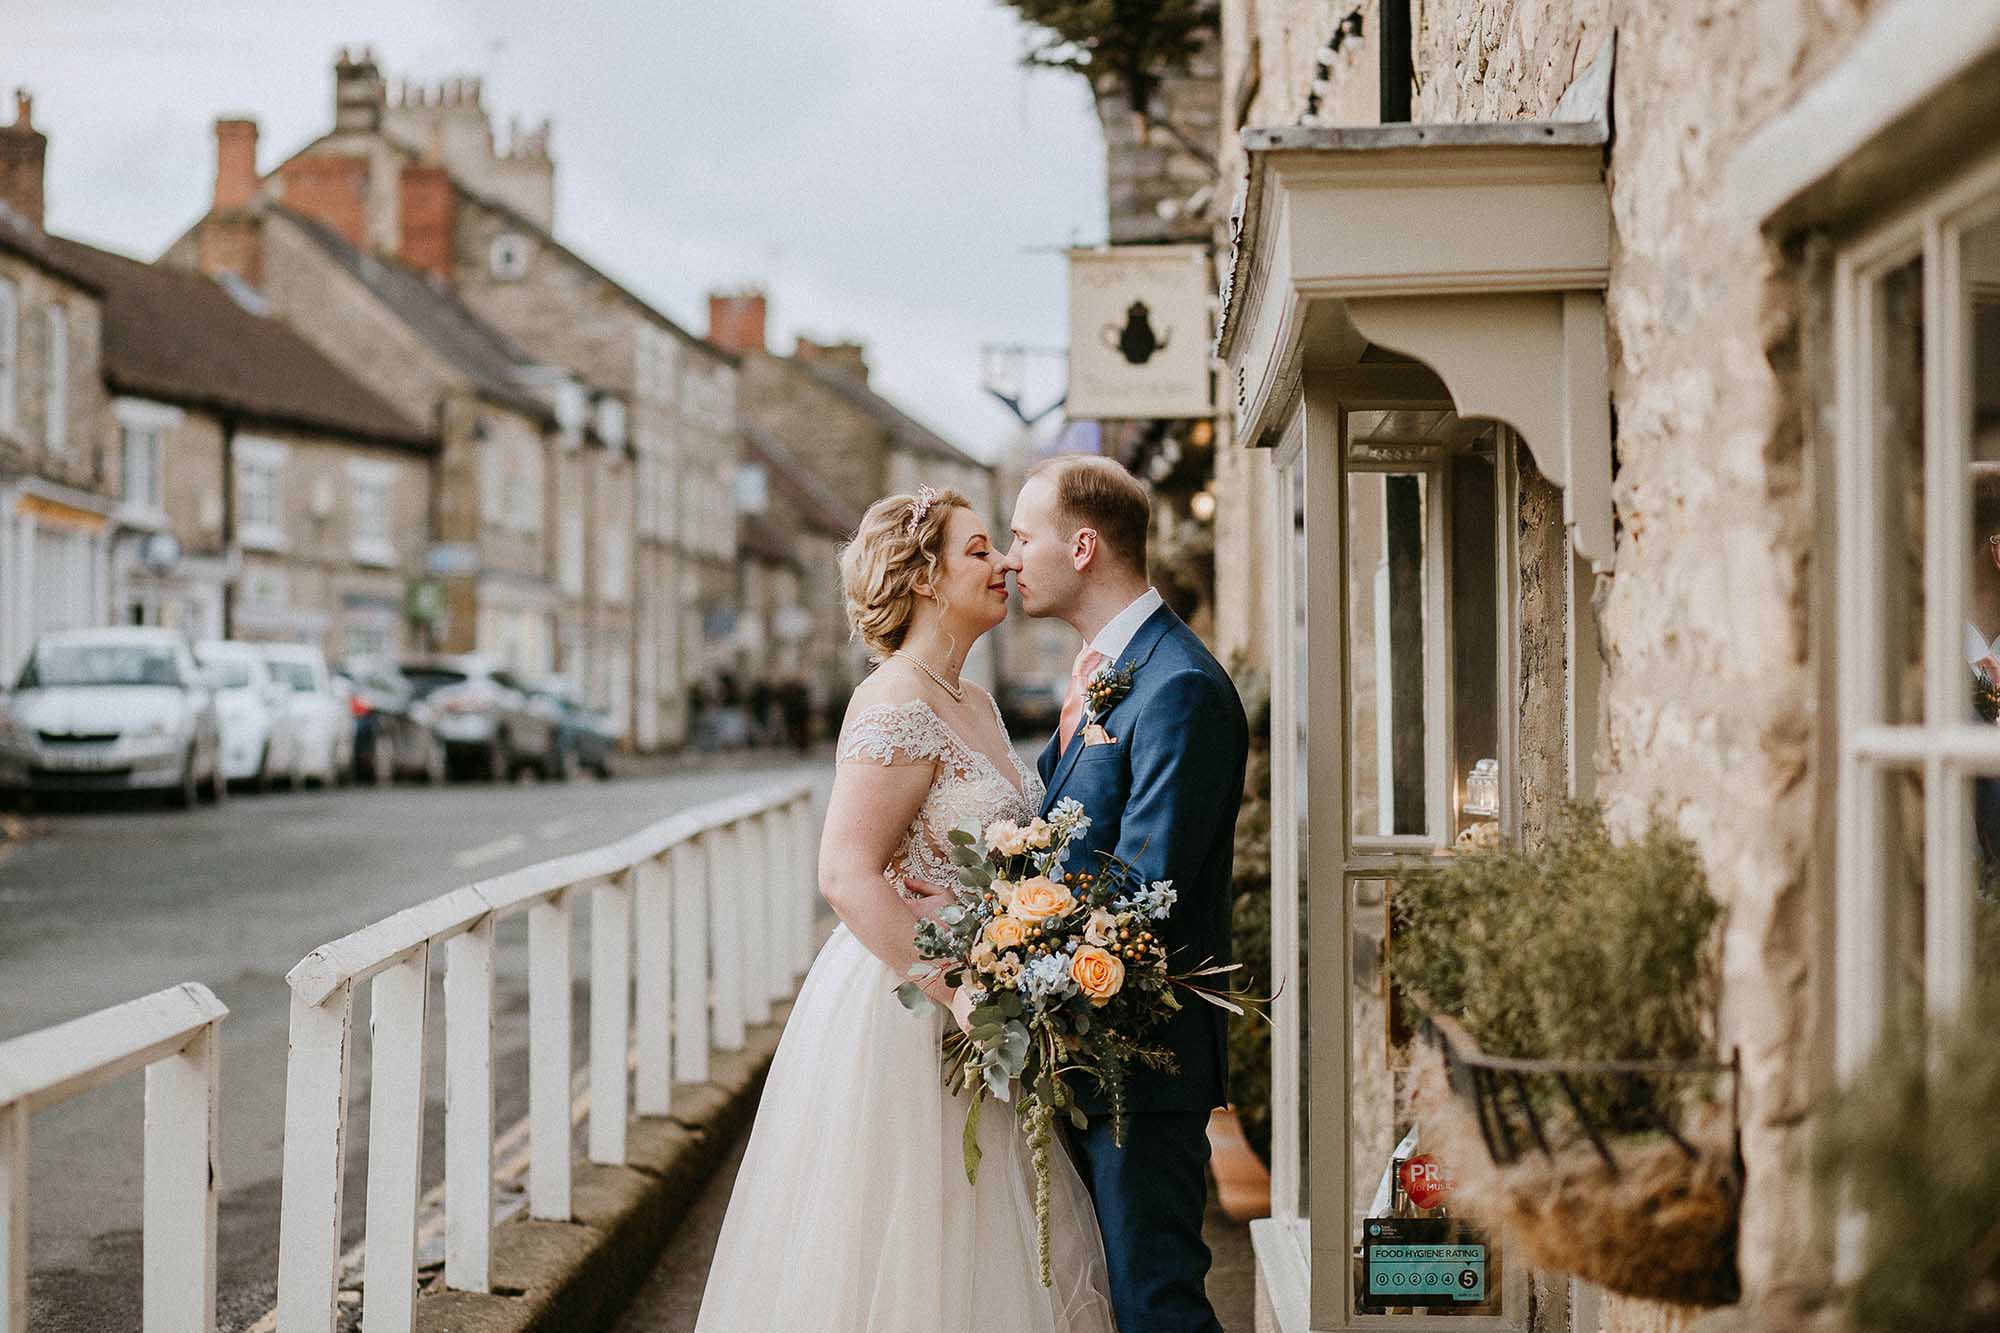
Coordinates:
[522,222]
[907,432]
[19,237]
[819,508]
[488,358]
[179,337]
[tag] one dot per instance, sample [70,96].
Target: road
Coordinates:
[111,904]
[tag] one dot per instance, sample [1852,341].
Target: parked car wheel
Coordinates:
[436,766]
[216,790]
[560,765]
[188,793]
[499,761]
[381,767]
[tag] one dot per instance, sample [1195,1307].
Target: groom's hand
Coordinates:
[930,900]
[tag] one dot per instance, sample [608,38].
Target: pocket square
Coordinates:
[1095,734]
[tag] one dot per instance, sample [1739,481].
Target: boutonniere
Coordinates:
[1107,687]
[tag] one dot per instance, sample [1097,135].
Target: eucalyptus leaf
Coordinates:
[968,857]
[977,877]
[961,838]
[912,996]
[1077,1118]
[972,1153]
[997,1082]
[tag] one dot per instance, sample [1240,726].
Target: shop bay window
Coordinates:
[1918,829]
[1431,387]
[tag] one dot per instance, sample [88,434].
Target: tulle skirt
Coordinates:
[852,1213]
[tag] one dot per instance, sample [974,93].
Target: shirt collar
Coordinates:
[1118,631]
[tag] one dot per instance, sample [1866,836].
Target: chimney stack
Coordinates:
[736,321]
[426,211]
[235,163]
[359,93]
[23,154]
[849,357]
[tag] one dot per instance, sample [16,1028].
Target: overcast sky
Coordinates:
[886,169]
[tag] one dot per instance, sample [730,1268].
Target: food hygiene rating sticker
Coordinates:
[1407,1262]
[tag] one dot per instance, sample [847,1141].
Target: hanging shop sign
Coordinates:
[1139,333]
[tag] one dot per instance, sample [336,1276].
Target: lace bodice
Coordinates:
[968,788]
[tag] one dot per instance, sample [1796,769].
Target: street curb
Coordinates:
[567,1277]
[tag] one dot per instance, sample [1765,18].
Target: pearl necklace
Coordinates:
[957,692]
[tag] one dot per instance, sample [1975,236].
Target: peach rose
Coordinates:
[1040,898]
[1097,973]
[1006,932]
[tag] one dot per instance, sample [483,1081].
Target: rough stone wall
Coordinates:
[1152,170]
[91,461]
[192,483]
[844,447]
[1708,694]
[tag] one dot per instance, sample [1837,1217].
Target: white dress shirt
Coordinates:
[1118,631]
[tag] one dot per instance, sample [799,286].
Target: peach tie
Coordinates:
[1086,666]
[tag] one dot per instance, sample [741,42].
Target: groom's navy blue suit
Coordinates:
[1163,797]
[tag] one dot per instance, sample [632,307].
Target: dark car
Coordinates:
[585,733]
[393,732]
[489,725]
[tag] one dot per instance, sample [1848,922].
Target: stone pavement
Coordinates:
[672,1296]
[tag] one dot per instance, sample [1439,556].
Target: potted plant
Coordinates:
[1570,1076]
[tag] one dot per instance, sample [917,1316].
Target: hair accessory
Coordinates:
[926,497]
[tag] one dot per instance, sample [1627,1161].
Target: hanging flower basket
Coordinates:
[1650,1213]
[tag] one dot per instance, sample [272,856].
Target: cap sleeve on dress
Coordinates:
[891,734]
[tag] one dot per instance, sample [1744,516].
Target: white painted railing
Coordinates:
[715,908]
[172,1036]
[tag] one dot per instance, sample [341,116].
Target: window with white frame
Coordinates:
[370,511]
[55,379]
[10,354]
[1917,317]
[260,493]
[142,439]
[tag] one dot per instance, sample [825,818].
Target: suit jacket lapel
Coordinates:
[1136,652]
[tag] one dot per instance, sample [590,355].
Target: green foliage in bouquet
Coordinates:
[1583,948]
[1916,1151]
[1066,975]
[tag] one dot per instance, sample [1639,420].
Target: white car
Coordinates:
[112,710]
[255,711]
[322,720]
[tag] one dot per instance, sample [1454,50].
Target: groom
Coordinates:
[1155,754]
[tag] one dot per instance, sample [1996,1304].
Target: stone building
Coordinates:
[817,404]
[491,555]
[418,175]
[1628,401]
[808,621]
[266,492]
[59,459]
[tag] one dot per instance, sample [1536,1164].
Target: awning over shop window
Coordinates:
[1479,251]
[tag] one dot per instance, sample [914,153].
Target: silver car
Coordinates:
[112,710]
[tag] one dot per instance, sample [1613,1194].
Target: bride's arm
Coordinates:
[872,805]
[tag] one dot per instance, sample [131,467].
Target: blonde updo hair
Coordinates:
[880,567]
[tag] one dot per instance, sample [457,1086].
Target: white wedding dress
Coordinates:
[852,1213]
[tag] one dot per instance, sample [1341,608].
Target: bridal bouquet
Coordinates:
[1067,974]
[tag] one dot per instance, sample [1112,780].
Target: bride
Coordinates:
[852,1212]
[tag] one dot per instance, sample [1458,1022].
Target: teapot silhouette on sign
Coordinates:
[1136,342]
